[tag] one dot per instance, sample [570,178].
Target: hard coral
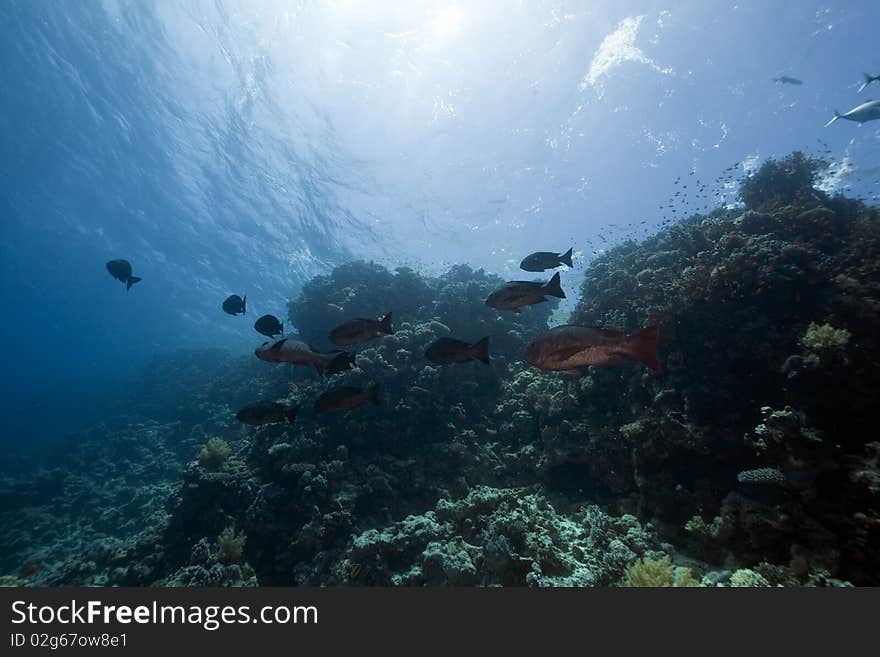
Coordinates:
[658,573]
[214,454]
[747,578]
[823,338]
[230,545]
[497,536]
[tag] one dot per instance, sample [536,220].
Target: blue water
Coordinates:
[232,148]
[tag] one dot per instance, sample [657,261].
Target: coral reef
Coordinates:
[497,537]
[776,307]
[783,182]
[748,460]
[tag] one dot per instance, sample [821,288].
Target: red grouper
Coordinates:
[570,349]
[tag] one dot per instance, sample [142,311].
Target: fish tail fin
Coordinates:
[244,305]
[480,350]
[341,358]
[374,394]
[282,328]
[131,281]
[833,119]
[386,325]
[565,258]
[554,288]
[643,347]
[292,410]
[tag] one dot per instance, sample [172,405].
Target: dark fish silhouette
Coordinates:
[543,260]
[344,398]
[868,80]
[287,350]
[267,412]
[360,330]
[234,304]
[569,348]
[121,271]
[516,294]
[445,351]
[269,326]
[787,80]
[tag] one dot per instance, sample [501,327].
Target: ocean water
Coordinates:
[240,148]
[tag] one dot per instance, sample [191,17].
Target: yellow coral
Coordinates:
[822,338]
[230,546]
[214,454]
[658,572]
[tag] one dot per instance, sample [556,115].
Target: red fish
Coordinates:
[571,348]
[516,294]
[288,350]
[267,412]
[360,330]
[344,398]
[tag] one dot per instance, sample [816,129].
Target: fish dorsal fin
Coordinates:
[277,345]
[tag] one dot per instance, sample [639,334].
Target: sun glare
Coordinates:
[447,22]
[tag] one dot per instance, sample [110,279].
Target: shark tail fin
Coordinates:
[833,119]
